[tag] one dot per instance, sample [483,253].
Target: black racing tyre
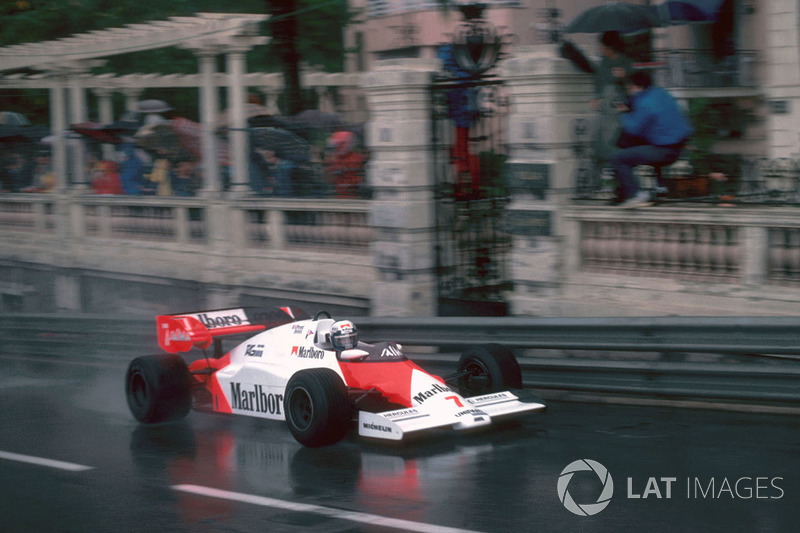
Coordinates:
[317,407]
[158,388]
[489,368]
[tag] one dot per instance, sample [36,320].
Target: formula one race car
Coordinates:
[318,376]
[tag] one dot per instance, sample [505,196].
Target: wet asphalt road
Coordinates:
[672,469]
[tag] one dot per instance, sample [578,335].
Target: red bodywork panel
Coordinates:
[393,379]
[178,334]
[204,374]
[182,332]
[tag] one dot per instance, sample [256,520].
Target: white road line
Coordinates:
[41,461]
[365,518]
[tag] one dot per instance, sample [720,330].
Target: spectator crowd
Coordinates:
[152,152]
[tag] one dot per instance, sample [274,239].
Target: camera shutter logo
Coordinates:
[586,509]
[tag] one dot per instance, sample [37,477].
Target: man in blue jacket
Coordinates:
[654,130]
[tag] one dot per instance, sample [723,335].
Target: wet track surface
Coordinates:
[672,469]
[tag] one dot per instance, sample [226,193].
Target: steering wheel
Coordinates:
[320,313]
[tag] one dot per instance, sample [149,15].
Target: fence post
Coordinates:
[276,227]
[755,246]
[400,173]
[549,107]
[225,223]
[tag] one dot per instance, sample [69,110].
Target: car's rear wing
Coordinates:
[182,332]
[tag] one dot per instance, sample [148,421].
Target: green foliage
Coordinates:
[493,180]
[320,24]
[714,120]
[320,28]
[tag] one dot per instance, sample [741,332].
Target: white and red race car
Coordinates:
[317,376]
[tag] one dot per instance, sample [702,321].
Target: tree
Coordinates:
[284,42]
[303,30]
[308,30]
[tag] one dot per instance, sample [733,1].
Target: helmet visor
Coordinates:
[344,340]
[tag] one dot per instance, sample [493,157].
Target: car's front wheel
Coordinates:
[317,407]
[487,369]
[158,388]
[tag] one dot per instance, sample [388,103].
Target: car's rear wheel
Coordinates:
[487,369]
[158,388]
[317,407]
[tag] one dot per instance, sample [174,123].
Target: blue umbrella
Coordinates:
[687,11]
[616,16]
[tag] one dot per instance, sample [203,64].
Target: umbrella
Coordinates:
[10,133]
[153,106]
[106,133]
[617,16]
[313,118]
[284,123]
[316,125]
[687,11]
[284,143]
[574,54]
[250,111]
[161,139]
[95,131]
[190,135]
[125,127]
[10,118]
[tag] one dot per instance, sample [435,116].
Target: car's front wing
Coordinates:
[478,411]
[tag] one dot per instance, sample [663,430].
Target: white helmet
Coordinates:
[344,335]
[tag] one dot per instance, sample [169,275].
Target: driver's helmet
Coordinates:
[344,335]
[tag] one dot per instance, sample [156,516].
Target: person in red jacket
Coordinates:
[344,165]
[105,178]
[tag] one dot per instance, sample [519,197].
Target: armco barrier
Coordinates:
[732,335]
[650,367]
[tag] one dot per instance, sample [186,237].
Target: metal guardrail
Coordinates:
[743,379]
[551,377]
[728,335]
[593,372]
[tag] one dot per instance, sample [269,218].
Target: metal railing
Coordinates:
[721,335]
[385,8]
[640,356]
[706,359]
[693,68]
[736,180]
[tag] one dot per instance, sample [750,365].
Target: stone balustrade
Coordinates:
[675,250]
[669,259]
[681,249]
[302,249]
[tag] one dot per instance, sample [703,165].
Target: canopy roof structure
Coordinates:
[201,30]
[65,66]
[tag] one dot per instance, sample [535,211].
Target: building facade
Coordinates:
[73,251]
